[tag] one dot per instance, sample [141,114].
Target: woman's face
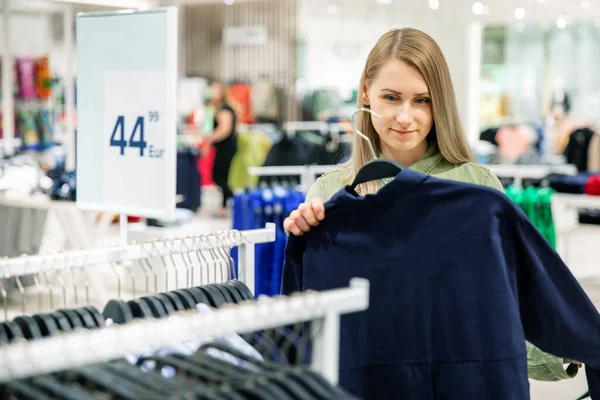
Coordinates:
[401,97]
[216,93]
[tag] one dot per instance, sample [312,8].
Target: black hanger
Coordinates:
[109,382]
[207,375]
[234,292]
[118,311]
[215,297]
[199,296]
[243,289]
[151,380]
[29,327]
[47,324]
[177,304]
[61,321]
[23,391]
[276,386]
[156,307]
[186,298]
[59,390]
[139,309]
[88,321]
[97,316]
[224,291]
[74,319]
[3,335]
[166,302]
[13,331]
[375,170]
[312,381]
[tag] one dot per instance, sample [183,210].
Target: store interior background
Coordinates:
[508,59]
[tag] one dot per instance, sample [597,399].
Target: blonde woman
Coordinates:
[407,82]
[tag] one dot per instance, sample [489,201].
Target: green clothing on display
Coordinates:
[541,366]
[253,148]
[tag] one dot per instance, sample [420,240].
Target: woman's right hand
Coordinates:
[305,217]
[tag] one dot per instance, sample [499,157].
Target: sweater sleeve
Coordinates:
[557,315]
[293,268]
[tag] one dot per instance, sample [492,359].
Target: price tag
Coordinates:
[126,134]
[135,137]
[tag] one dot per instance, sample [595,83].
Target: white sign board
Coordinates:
[245,35]
[126,112]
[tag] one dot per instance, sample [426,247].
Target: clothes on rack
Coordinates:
[252,210]
[422,287]
[536,203]
[253,148]
[188,179]
[582,183]
[577,148]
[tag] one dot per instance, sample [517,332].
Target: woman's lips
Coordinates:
[403,132]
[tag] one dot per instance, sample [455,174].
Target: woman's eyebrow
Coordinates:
[400,93]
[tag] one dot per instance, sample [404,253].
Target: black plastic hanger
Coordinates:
[186,298]
[225,290]
[156,307]
[113,384]
[151,380]
[215,297]
[375,170]
[140,309]
[177,303]
[63,323]
[275,386]
[166,302]
[245,292]
[73,318]
[47,324]
[3,335]
[199,296]
[59,390]
[24,391]
[29,327]
[97,316]
[13,331]
[118,311]
[88,321]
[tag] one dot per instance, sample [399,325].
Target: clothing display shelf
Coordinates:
[8,9]
[76,349]
[520,172]
[567,204]
[308,173]
[243,240]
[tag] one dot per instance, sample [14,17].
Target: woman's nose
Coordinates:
[404,114]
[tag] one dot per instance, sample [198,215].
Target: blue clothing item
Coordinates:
[460,278]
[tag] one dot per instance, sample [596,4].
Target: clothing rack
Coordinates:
[308,173]
[244,240]
[520,172]
[76,349]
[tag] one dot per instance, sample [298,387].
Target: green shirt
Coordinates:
[541,366]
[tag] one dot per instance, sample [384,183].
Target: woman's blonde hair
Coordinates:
[421,51]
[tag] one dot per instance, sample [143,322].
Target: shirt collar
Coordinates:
[429,160]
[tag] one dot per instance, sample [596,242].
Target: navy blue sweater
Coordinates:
[459,279]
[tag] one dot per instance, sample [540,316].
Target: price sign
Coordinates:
[126,142]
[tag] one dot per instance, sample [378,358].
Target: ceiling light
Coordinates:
[229,2]
[477,8]
[434,4]
[519,13]
[385,1]
[585,4]
[561,22]
[332,9]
